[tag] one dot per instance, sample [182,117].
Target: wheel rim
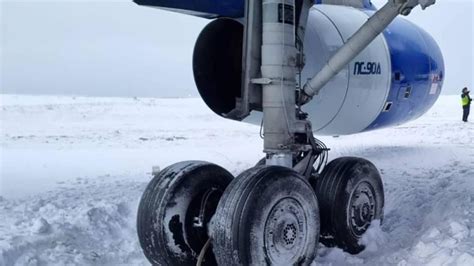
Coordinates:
[361,208]
[285,232]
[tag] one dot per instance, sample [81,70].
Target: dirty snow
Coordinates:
[73,169]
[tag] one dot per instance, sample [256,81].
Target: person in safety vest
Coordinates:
[466,103]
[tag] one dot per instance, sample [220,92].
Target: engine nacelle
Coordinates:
[397,78]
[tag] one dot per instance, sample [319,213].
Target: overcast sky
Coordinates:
[116,48]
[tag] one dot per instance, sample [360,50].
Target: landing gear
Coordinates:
[175,209]
[350,193]
[194,213]
[267,216]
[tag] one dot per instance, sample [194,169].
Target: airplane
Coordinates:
[297,68]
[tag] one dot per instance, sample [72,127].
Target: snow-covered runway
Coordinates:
[73,170]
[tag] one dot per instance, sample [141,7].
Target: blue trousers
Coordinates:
[465,112]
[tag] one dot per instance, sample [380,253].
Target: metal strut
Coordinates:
[281,20]
[279,69]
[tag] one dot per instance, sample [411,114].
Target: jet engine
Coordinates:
[396,79]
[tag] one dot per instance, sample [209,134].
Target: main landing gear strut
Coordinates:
[277,212]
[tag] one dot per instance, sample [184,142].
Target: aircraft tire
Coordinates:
[175,196]
[351,196]
[268,215]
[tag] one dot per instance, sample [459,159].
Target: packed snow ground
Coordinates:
[73,170]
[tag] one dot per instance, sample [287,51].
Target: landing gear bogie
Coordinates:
[269,215]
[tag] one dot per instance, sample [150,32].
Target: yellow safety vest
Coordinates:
[464,100]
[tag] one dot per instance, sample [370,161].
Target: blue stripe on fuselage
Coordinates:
[417,59]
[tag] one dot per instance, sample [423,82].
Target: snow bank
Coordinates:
[87,223]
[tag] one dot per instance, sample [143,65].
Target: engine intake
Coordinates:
[217,64]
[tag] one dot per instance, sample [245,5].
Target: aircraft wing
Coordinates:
[229,8]
[200,8]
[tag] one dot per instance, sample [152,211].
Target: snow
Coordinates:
[73,170]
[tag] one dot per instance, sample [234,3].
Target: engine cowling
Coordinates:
[397,78]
